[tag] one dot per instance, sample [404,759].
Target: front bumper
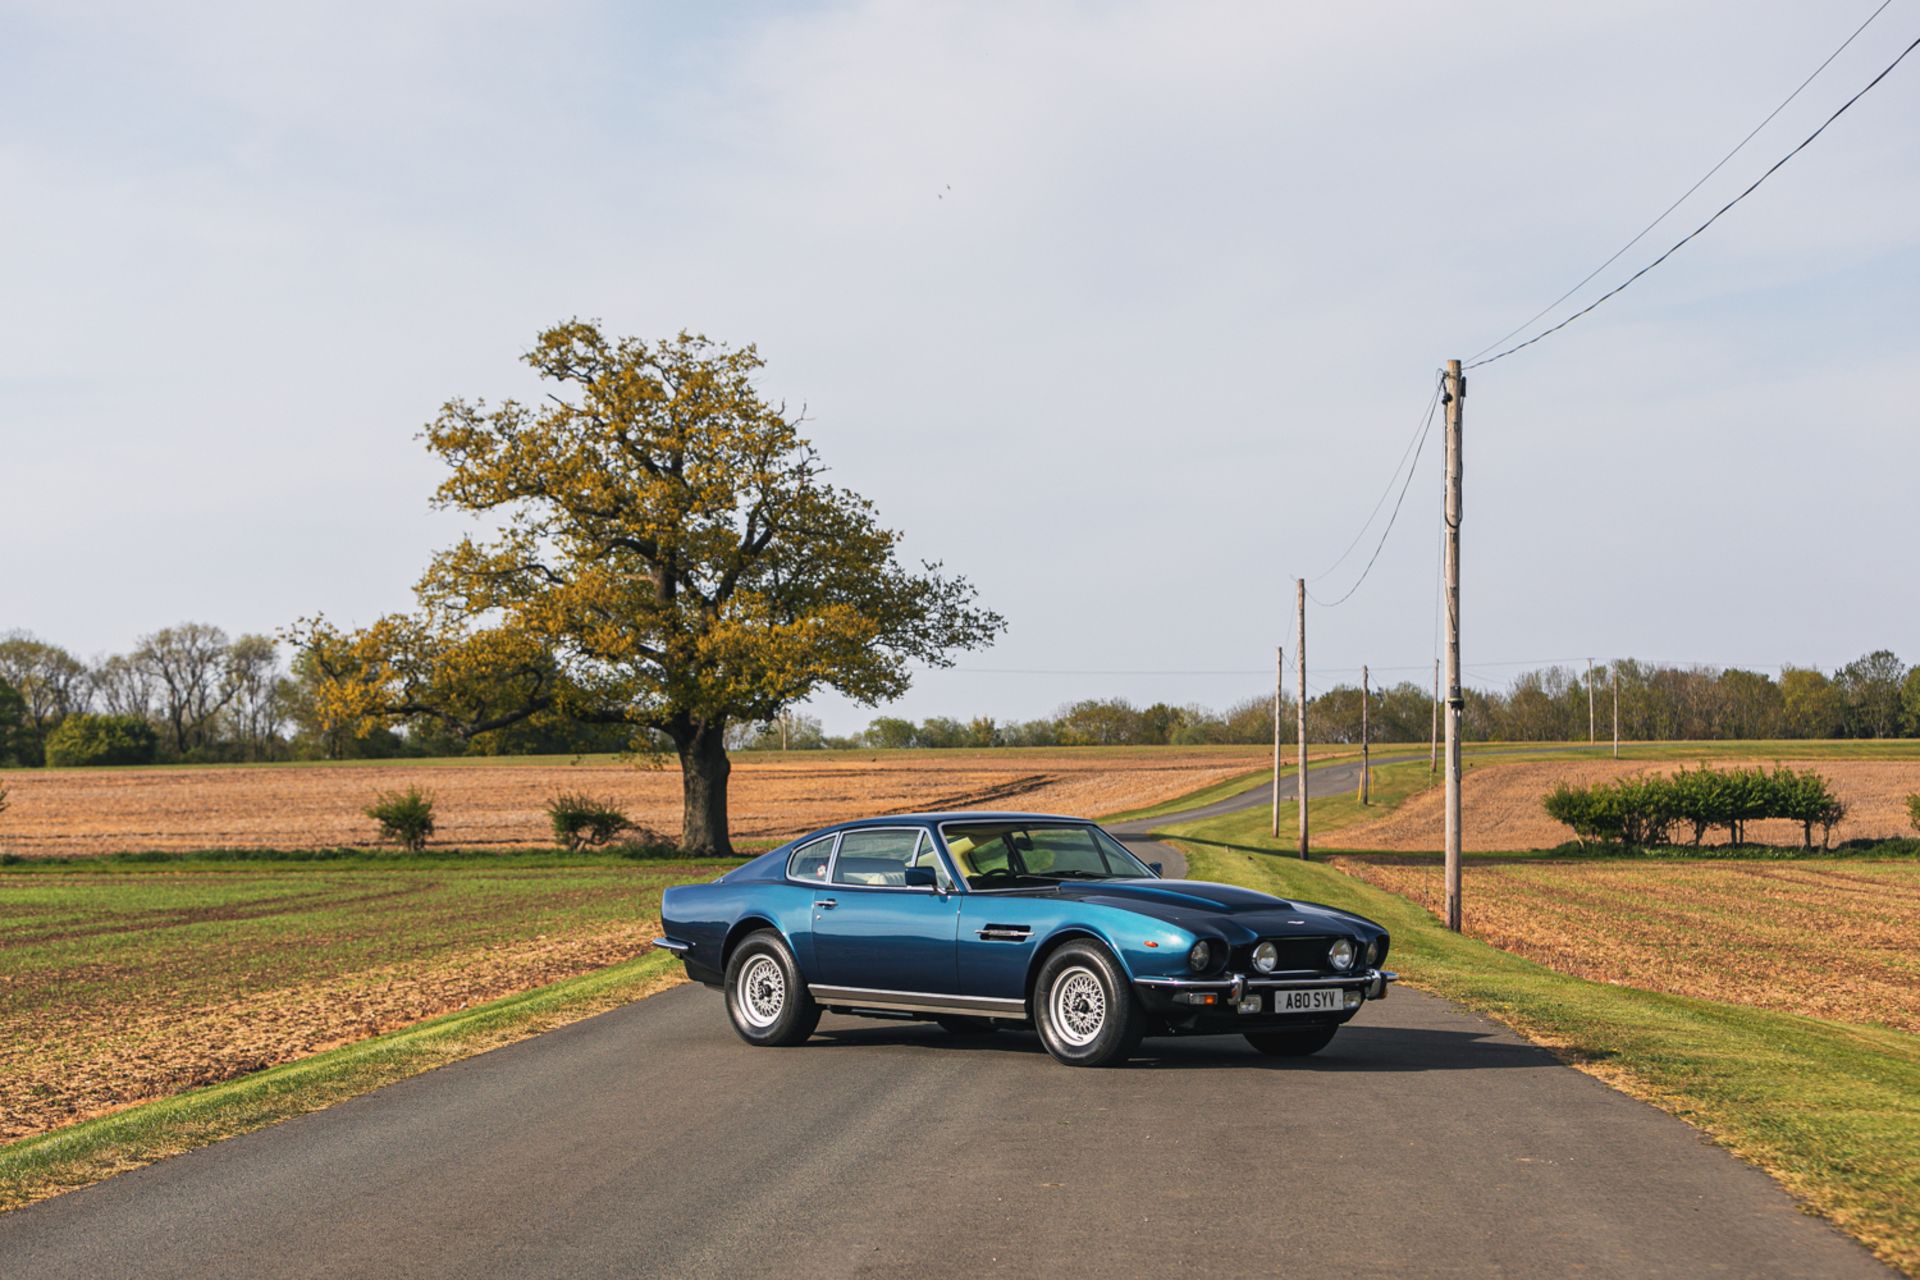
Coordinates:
[1239,1001]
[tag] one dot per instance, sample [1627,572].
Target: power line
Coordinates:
[1545,333]
[1419,448]
[1419,434]
[1236,671]
[1689,191]
[1097,671]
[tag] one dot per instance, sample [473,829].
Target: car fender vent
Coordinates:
[1005,932]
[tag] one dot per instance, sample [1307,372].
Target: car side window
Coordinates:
[809,861]
[878,857]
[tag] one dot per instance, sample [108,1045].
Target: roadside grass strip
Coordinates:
[66,1159]
[1830,1109]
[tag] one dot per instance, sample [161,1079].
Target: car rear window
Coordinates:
[809,861]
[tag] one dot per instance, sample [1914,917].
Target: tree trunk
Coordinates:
[702,748]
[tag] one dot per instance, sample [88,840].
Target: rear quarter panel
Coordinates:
[704,914]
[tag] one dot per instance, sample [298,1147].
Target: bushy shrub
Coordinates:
[92,740]
[580,821]
[1913,811]
[1807,799]
[1646,809]
[1585,810]
[1642,812]
[405,817]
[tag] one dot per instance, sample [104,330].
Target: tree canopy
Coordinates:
[668,555]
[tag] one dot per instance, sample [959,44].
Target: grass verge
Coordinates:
[1830,1109]
[80,1154]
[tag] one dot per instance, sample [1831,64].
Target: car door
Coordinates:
[998,932]
[999,928]
[875,932]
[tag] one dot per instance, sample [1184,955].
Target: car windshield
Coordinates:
[1013,853]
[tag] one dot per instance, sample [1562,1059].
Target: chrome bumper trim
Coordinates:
[1237,983]
[674,945]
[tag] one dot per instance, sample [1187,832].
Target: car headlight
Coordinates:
[1200,959]
[1373,953]
[1266,957]
[1340,954]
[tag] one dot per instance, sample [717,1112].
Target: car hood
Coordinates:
[1202,906]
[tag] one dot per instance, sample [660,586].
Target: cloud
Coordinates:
[1124,311]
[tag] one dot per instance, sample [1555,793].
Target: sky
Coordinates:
[1125,312]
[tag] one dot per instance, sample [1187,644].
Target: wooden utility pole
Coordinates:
[1366,752]
[1615,668]
[1279,682]
[1300,699]
[1433,750]
[1590,738]
[1455,395]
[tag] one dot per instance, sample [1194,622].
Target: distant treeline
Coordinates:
[1876,696]
[191,693]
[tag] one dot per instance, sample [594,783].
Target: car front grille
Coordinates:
[1297,955]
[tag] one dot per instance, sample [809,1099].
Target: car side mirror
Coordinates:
[1156,868]
[921,878]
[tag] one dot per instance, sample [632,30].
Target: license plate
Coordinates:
[1310,1000]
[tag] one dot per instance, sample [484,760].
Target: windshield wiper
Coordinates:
[1072,875]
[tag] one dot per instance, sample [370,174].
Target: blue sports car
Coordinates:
[979,921]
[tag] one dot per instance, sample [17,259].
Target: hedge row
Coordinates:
[1645,811]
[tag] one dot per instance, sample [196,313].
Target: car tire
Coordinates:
[767,999]
[1291,1044]
[1083,1007]
[963,1026]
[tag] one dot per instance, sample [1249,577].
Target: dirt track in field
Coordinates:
[1501,803]
[487,805]
[1831,939]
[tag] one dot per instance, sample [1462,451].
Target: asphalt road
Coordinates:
[650,1141]
[1323,779]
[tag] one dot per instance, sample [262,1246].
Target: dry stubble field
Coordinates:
[1503,812]
[484,804]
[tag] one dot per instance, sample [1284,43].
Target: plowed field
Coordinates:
[1502,813]
[481,804]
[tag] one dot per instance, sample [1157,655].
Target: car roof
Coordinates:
[957,815]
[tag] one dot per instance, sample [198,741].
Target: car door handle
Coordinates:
[826,904]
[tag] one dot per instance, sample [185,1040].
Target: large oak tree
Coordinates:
[668,556]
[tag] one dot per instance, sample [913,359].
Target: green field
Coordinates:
[129,979]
